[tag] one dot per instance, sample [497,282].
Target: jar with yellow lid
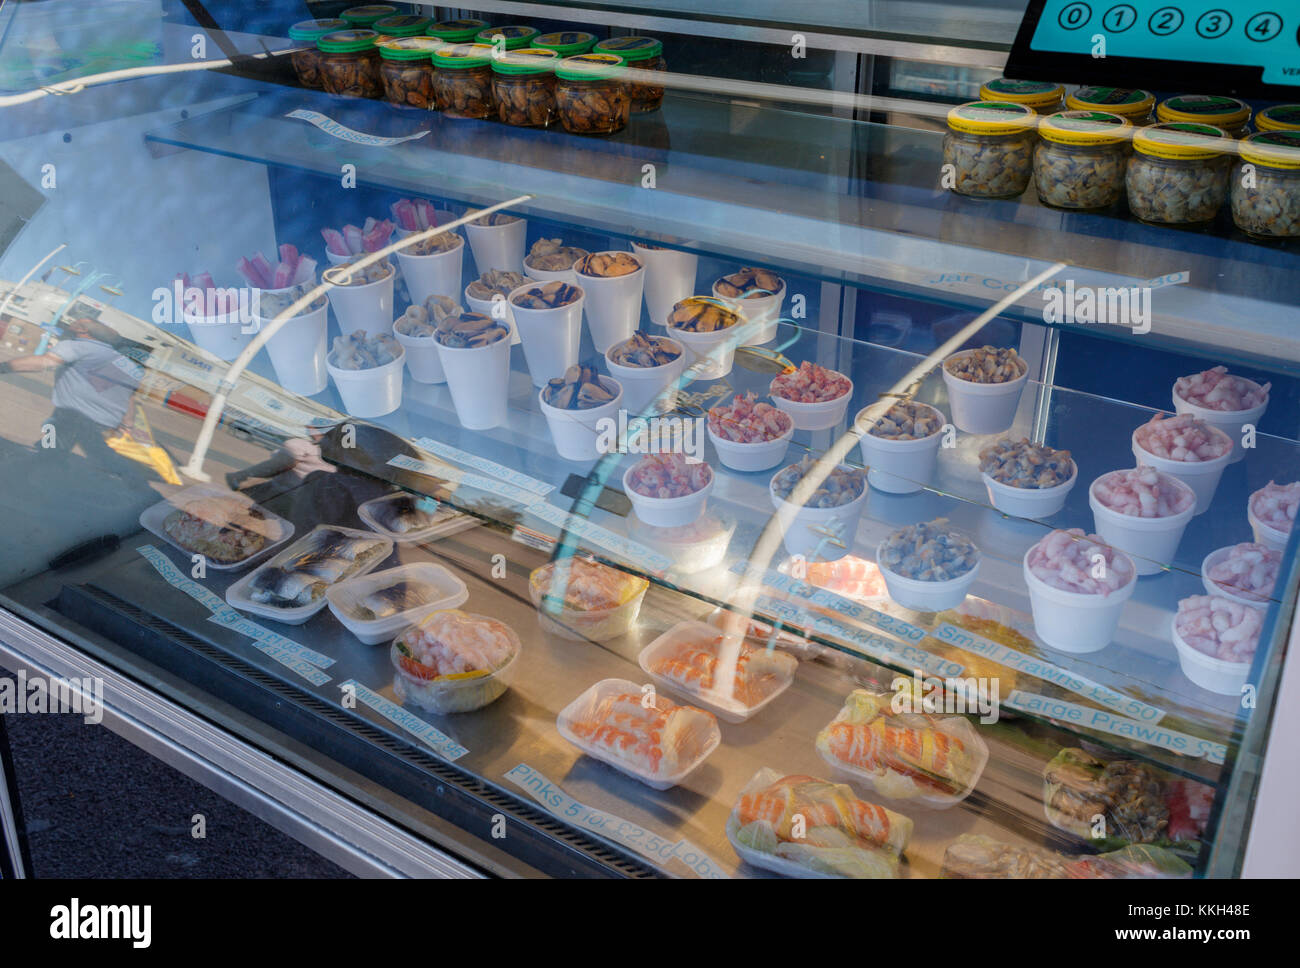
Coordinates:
[456,31]
[590,94]
[462,80]
[990,147]
[566,43]
[349,63]
[1080,161]
[523,86]
[1132,104]
[306,62]
[402,25]
[512,37]
[1178,173]
[406,65]
[365,16]
[640,54]
[1042,97]
[1266,195]
[1280,117]
[1228,113]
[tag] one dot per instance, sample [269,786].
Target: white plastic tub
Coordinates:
[1030,502]
[805,531]
[582,625]
[1150,542]
[422,360]
[1216,675]
[479,380]
[713,353]
[1201,476]
[761,455]
[223,335]
[669,278]
[344,598]
[1072,621]
[900,466]
[498,246]
[368,307]
[298,349]
[550,337]
[372,392]
[1231,422]
[575,432]
[983,408]
[668,512]
[446,696]
[436,274]
[494,309]
[1265,534]
[613,304]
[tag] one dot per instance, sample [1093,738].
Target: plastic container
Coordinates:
[642,54]
[550,337]
[222,335]
[989,146]
[479,380]
[1228,113]
[590,94]
[1033,503]
[402,25]
[1231,422]
[613,304]
[237,594]
[422,359]
[1081,159]
[1265,534]
[1201,476]
[447,520]
[1216,675]
[407,71]
[583,625]
[154,518]
[550,275]
[983,408]
[367,15]
[819,534]
[669,278]
[523,86]
[728,709]
[668,512]
[900,466]
[1280,117]
[714,353]
[693,548]
[566,43]
[1043,97]
[646,385]
[814,416]
[436,274]
[1132,104]
[586,704]
[449,695]
[1150,542]
[456,31]
[349,63]
[1223,591]
[368,306]
[373,392]
[498,246]
[512,37]
[762,455]
[927,596]
[1072,621]
[344,598]
[575,432]
[763,313]
[298,350]
[462,81]
[1178,173]
[1267,205]
[306,62]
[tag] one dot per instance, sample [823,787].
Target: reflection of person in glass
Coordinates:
[93,392]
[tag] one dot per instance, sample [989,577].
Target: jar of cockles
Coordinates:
[1042,97]
[1266,185]
[640,54]
[456,31]
[1280,117]
[590,94]
[365,16]
[990,147]
[566,43]
[523,87]
[1227,113]
[1080,161]
[515,36]
[1132,104]
[406,65]
[1178,173]
[402,25]
[462,80]
[349,63]
[306,62]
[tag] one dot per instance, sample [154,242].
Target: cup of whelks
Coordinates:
[666,490]
[1027,480]
[708,328]
[825,526]
[613,283]
[669,278]
[499,244]
[575,405]
[550,260]
[1142,512]
[1230,403]
[649,369]
[923,573]
[1271,512]
[548,317]
[1187,448]
[984,388]
[901,447]
[415,329]
[1077,589]
[757,295]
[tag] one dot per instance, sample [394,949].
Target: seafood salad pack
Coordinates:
[405,517]
[980,857]
[802,826]
[727,674]
[374,606]
[227,529]
[454,662]
[904,756]
[581,599]
[294,582]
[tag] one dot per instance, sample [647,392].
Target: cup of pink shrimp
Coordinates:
[1142,512]
[1187,448]
[1222,400]
[1078,585]
[1271,511]
[1216,640]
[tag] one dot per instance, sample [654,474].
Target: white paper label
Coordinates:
[436,740]
[499,471]
[344,133]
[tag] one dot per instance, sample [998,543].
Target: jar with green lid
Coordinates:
[1178,173]
[366,15]
[403,25]
[1132,104]
[457,31]
[1280,117]
[1080,161]
[406,65]
[566,43]
[514,36]
[1266,195]
[523,86]
[989,146]
[306,62]
[591,95]
[462,80]
[641,54]
[349,63]
[1043,97]
[1228,113]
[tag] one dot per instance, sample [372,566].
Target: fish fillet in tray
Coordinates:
[229,529]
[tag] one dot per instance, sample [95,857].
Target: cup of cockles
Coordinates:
[367,372]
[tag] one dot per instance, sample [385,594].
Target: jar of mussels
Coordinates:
[406,65]
[590,94]
[306,62]
[1042,97]
[515,36]
[1228,113]
[566,43]
[640,54]
[523,86]
[456,31]
[367,15]
[462,80]
[349,63]
[1134,105]
[402,25]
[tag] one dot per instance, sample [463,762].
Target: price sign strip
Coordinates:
[435,739]
[623,832]
[634,553]
[499,471]
[344,133]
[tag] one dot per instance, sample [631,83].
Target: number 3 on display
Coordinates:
[1213,23]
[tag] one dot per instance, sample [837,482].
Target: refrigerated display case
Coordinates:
[341,484]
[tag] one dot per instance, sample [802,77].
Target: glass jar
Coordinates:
[990,147]
[1080,161]
[364,17]
[1041,97]
[642,54]
[457,31]
[403,25]
[566,43]
[523,87]
[1227,113]
[306,63]
[590,94]
[406,65]
[517,36]
[1266,197]
[1178,174]
[349,63]
[1132,104]
[462,80]
[1280,117]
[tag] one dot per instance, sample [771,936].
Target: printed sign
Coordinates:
[344,133]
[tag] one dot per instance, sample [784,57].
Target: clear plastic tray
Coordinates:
[596,625]
[445,696]
[153,518]
[587,703]
[237,594]
[447,520]
[344,598]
